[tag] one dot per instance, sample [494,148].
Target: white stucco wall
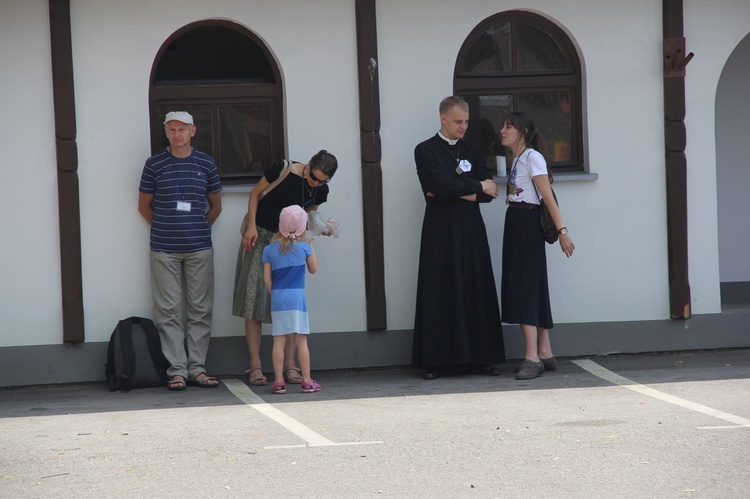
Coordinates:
[619,271]
[733,164]
[321,104]
[619,268]
[712,38]
[114,45]
[30,296]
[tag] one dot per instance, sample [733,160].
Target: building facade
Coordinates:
[304,92]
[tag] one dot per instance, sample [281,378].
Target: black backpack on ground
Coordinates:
[134,356]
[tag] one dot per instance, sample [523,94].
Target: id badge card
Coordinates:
[183,206]
[464,165]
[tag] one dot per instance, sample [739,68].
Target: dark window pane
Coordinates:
[486,116]
[221,74]
[490,52]
[245,138]
[213,54]
[203,118]
[537,51]
[520,61]
[551,115]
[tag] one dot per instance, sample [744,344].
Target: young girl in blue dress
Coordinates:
[284,262]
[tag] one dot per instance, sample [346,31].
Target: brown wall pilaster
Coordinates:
[67,171]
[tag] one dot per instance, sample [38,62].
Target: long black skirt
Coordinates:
[524,290]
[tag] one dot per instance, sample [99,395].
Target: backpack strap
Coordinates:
[282,175]
[154,345]
[128,354]
[284,172]
[109,367]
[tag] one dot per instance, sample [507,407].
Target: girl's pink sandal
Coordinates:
[278,389]
[310,386]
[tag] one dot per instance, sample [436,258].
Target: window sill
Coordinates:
[561,177]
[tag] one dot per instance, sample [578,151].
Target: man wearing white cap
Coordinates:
[180,197]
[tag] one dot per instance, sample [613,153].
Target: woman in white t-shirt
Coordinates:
[524,291]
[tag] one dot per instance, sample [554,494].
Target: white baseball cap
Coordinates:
[179,116]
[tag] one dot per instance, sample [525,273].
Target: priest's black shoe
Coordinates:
[491,370]
[431,374]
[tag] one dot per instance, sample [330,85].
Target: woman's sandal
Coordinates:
[259,380]
[278,389]
[294,379]
[311,386]
[176,383]
[205,382]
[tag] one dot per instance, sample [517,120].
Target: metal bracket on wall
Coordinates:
[675,59]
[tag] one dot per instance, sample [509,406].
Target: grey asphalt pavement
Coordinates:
[661,425]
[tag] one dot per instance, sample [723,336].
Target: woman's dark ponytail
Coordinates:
[531,137]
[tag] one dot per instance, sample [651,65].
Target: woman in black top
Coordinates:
[306,185]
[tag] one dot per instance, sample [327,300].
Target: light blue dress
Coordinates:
[288,301]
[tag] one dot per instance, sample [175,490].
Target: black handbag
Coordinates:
[549,229]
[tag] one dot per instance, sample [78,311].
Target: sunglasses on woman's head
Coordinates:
[312,176]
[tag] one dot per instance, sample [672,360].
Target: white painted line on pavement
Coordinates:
[723,427]
[608,375]
[326,445]
[245,394]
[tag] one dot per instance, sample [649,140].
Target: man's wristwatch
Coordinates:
[563,231]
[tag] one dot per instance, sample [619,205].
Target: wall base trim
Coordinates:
[735,292]
[52,364]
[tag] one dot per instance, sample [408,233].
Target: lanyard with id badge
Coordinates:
[185,206]
[462,165]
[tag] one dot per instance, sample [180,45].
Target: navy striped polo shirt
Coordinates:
[185,180]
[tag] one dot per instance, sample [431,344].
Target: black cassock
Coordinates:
[457,319]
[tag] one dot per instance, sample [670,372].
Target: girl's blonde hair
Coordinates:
[286,244]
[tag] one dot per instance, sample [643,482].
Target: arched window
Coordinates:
[519,61]
[224,76]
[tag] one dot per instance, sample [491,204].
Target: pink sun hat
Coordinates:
[293,221]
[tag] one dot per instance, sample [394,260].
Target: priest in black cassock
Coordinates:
[457,322]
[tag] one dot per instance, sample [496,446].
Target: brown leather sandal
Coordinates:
[176,383]
[294,379]
[259,380]
[205,382]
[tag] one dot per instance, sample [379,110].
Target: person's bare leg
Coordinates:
[303,352]
[544,347]
[289,351]
[253,331]
[291,373]
[279,342]
[531,338]
[531,367]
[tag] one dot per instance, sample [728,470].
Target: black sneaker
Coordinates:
[530,370]
[549,364]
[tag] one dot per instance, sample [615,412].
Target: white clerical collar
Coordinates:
[452,142]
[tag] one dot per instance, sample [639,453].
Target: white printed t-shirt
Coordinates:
[529,164]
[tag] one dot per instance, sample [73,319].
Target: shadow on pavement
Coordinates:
[646,369]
